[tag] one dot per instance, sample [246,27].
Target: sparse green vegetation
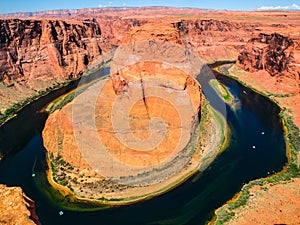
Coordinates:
[59,167]
[224,216]
[221,90]
[10,112]
[60,102]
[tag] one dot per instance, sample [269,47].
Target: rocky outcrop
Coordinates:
[214,39]
[273,53]
[43,50]
[211,39]
[208,25]
[16,207]
[113,28]
[138,123]
[150,31]
[109,146]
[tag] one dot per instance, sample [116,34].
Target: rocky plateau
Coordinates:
[38,50]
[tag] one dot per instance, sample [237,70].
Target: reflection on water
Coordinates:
[255,123]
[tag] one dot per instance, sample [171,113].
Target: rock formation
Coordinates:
[214,39]
[151,78]
[16,207]
[35,52]
[71,13]
[46,50]
[274,53]
[272,62]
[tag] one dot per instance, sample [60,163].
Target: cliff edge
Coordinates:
[16,207]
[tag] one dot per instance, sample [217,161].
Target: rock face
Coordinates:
[37,53]
[43,50]
[214,39]
[273,53]
[149,31]
[15,207]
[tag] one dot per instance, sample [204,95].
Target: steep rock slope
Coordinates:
[271,63]
[15,207]
[214,39]
[43,50]
[274,53]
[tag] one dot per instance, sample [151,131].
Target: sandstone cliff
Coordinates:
[274,53]
[43,50]
[211,39]
[214,39]
[33,51]
[113,28]
[16,207]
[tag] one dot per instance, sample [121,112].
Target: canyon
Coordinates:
[119,116]
[37,54]
[40,50]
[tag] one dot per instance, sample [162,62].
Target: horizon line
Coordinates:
[154,6]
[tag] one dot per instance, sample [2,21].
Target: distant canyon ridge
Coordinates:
[44,48]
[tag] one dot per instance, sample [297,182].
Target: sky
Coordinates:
[7,6]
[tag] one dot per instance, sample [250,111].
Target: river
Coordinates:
[256,149]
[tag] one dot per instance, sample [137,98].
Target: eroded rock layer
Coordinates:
[274,53]
[43,50]
[16,207]
[38,53]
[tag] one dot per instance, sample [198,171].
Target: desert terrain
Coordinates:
[40,51]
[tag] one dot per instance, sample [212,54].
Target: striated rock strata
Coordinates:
[33,50]
[214,39]
[16,207]
[39,53]
[271,63]
[274,53]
